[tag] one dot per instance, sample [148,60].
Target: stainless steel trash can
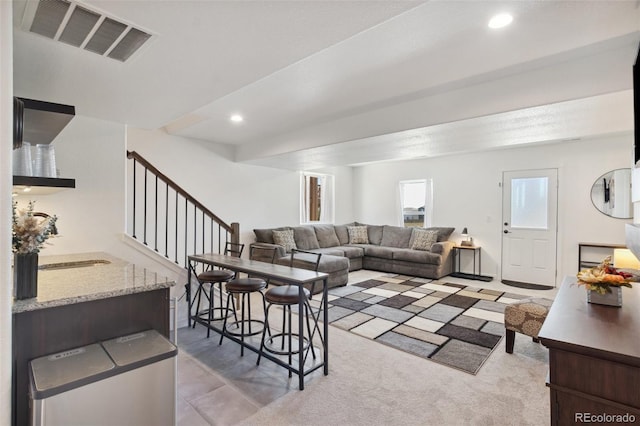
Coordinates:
[129,380]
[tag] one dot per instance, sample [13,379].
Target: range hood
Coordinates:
[39,122]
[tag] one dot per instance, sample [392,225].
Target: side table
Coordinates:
[476,250]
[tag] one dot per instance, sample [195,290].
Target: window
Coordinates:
[316,198]
[529,202]
[416,202]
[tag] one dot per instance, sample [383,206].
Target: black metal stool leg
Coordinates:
[264,332]
[226,315]
[210,317]
[264,307]
[248,313]
[307,309]
[290,341]
[284,324]
[198,295]
[243,307]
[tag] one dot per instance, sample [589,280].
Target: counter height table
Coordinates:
[285,274]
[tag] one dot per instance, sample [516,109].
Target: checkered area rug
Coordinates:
[452,324]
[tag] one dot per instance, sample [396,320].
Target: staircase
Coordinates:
[168,221]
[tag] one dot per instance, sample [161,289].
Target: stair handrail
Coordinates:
[140,159]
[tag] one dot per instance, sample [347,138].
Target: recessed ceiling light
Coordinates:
[500,20]
[236,118]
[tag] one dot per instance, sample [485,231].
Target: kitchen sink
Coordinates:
[76,264]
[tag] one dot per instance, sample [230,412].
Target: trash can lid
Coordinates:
[70,369]
[144,347]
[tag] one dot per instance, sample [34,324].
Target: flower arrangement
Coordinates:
[31,230]
[604,276]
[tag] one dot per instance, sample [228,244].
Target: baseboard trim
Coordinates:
[476,277]
[529,286]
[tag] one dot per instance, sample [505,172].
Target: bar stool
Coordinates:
[288,296]
[213,277]
[242,288]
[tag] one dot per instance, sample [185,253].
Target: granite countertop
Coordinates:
[75,278]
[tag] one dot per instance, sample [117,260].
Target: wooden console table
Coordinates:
[607,248]
[594,356]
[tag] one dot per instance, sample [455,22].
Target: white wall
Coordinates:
[255,197]
[91,216]
[6,135]
[467,193]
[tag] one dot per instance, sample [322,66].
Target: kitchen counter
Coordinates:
[82,277]
[82,299]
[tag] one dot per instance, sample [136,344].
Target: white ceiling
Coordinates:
[324,83]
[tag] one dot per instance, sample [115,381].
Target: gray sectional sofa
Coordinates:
[384,248]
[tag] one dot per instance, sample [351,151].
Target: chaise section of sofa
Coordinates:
[378,247]
[333,263]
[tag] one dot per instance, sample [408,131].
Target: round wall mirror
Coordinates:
[611,194]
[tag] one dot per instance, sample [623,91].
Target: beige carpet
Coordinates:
[372,384]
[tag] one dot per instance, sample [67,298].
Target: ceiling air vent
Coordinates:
[80,26]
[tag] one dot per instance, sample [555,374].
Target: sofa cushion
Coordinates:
[358,235]
[375,234]
[417,256]
[352,252]
[333,251]
[443,232]
[423,239]
[305,237]
[328,263]
[343,233]
[284,239]
[379,251]
[395,236]
[266,235]
[326,235]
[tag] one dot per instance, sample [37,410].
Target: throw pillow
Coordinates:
[285,239]
[423,240]
[443,232]
[358,235]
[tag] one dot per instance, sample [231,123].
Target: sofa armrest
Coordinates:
[281,250]
[443,248]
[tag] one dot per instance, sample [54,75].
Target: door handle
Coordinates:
[506,231]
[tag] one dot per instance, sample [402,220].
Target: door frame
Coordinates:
[557,230]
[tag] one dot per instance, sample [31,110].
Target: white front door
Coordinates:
[529,218]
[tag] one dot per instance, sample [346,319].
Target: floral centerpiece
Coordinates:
[603,277]
[30,231]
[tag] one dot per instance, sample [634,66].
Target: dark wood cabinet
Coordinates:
[594,358]
[45,331]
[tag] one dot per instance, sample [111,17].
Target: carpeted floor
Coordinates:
[368,383]
[449,323]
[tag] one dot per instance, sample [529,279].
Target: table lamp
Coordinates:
[468,241]
[625,259]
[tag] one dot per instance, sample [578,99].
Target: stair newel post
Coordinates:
[235,232]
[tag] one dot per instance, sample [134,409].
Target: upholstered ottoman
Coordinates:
[525,316]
